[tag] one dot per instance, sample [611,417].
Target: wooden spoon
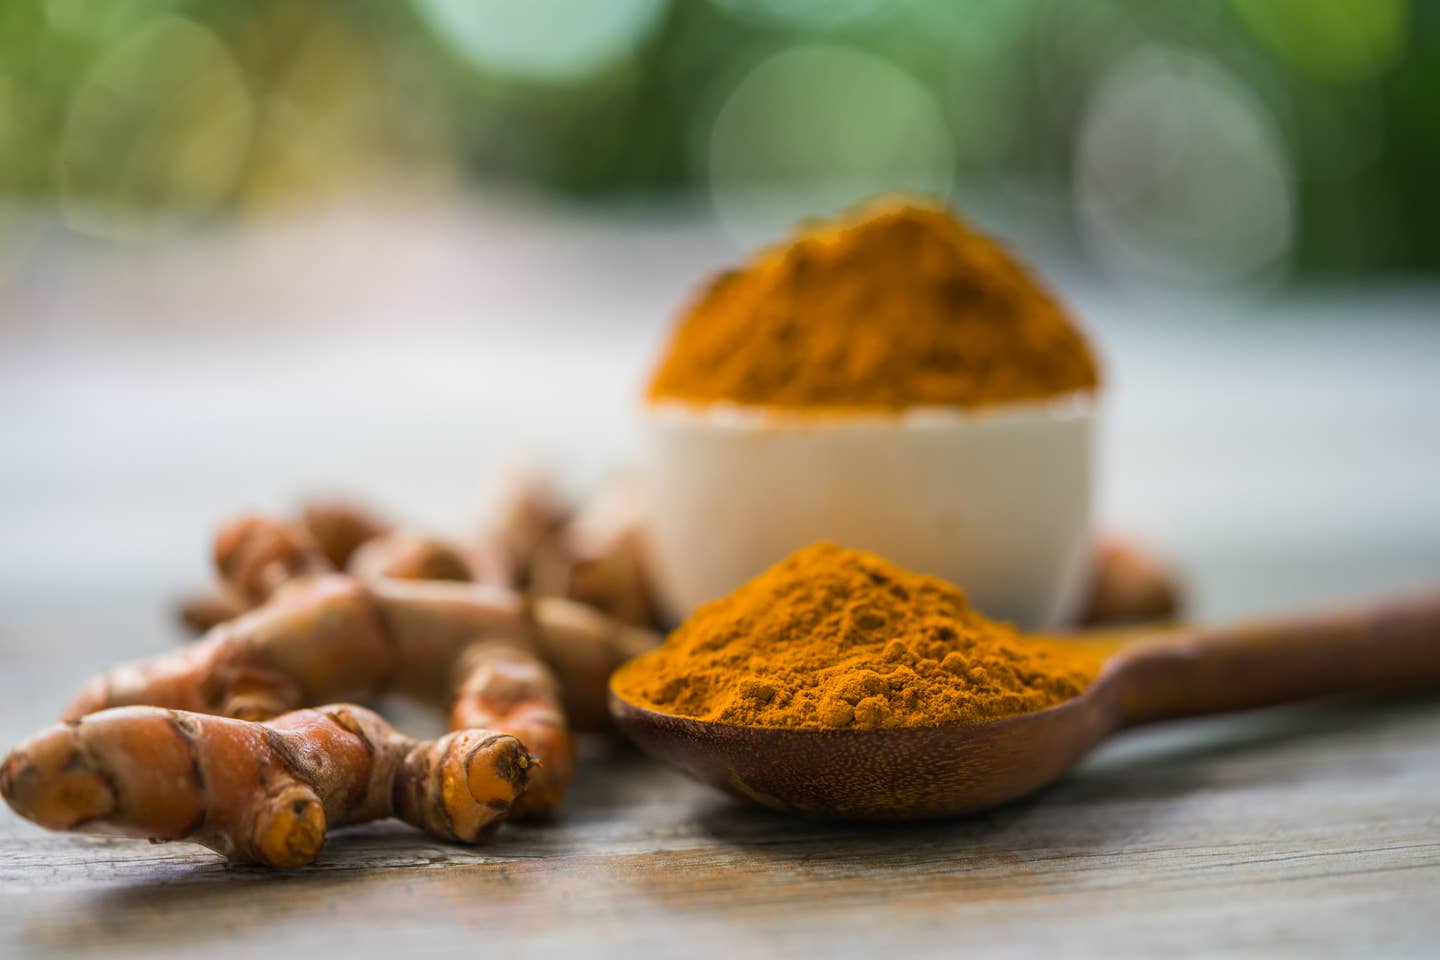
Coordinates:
[926,772]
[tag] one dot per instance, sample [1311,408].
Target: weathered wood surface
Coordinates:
[1310,831]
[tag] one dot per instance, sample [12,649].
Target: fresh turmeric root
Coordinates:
[262,793]
[402,555]
[599,557]
[255,555]
[201,611]
[252,560]
[504,687]
[533,539]
[523,511]
[340,527]
[319,637]
[1128,584]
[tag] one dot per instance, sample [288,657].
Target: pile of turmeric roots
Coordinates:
[514,632]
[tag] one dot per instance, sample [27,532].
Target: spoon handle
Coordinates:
[1392,645]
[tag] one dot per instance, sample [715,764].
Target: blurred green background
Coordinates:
[1210,142]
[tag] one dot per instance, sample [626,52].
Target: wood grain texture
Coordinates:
[1308,831]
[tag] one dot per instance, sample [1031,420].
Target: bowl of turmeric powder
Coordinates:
[892,380]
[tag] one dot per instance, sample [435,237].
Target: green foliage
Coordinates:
[123,112]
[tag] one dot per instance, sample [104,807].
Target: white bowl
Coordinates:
[997,501]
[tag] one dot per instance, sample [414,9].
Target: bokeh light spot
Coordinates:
[1330,39]
[320,124]
[552,41]
[817,128]
[806,14]
[157,133]
[1182,173]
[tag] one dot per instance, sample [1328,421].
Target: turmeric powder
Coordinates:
[900,305]
[833,638]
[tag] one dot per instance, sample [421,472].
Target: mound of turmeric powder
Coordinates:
[835,638]
[898,305]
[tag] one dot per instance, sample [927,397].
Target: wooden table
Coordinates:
[1307,831]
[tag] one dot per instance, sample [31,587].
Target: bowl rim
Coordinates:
[1074,405]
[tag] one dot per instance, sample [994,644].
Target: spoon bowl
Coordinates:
[918,773]
[915,773]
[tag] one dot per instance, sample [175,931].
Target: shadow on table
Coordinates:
[175,907]
[370,877]
[1240,750]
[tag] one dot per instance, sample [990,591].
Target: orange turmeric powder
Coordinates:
[833,638]
[899,305]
